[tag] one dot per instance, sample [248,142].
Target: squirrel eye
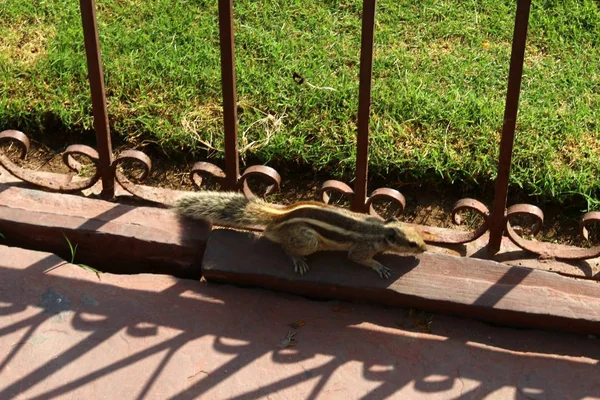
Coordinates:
[412,244]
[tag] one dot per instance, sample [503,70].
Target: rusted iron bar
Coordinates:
[497,218]
[232,167]
[364,106]
[100,113]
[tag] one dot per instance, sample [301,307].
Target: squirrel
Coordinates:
[306,227]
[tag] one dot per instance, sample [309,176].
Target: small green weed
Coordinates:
[73,250]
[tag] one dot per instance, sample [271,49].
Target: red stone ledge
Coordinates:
[509,253]
[109,236]
[126,239]
[481,289]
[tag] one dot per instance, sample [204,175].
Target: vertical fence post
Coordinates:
[497,222]
[232,167]
[364,106]
[96,78]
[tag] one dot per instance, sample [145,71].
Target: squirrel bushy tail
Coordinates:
[226,208]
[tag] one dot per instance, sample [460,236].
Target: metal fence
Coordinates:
[497,222]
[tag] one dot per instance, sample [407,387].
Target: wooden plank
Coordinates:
[469,287]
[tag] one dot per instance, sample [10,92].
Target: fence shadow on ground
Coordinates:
[175,324]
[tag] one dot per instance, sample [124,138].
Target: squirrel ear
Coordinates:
[392,219]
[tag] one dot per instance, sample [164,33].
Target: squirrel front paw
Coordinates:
[384,272]
[300,265]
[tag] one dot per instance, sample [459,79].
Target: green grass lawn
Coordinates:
[438,92]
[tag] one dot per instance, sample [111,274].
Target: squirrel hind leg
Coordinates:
[299,242]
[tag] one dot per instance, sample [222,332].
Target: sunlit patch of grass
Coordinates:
[439,84]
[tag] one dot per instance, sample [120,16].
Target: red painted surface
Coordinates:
[66,334]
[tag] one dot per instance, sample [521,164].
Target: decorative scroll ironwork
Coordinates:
[465,237]
[550,250]
[261,172]
[391,195]
[67,183]
[395,197]
[147,193]
[202,169]
[199,171]
[58,183]
[337,187]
